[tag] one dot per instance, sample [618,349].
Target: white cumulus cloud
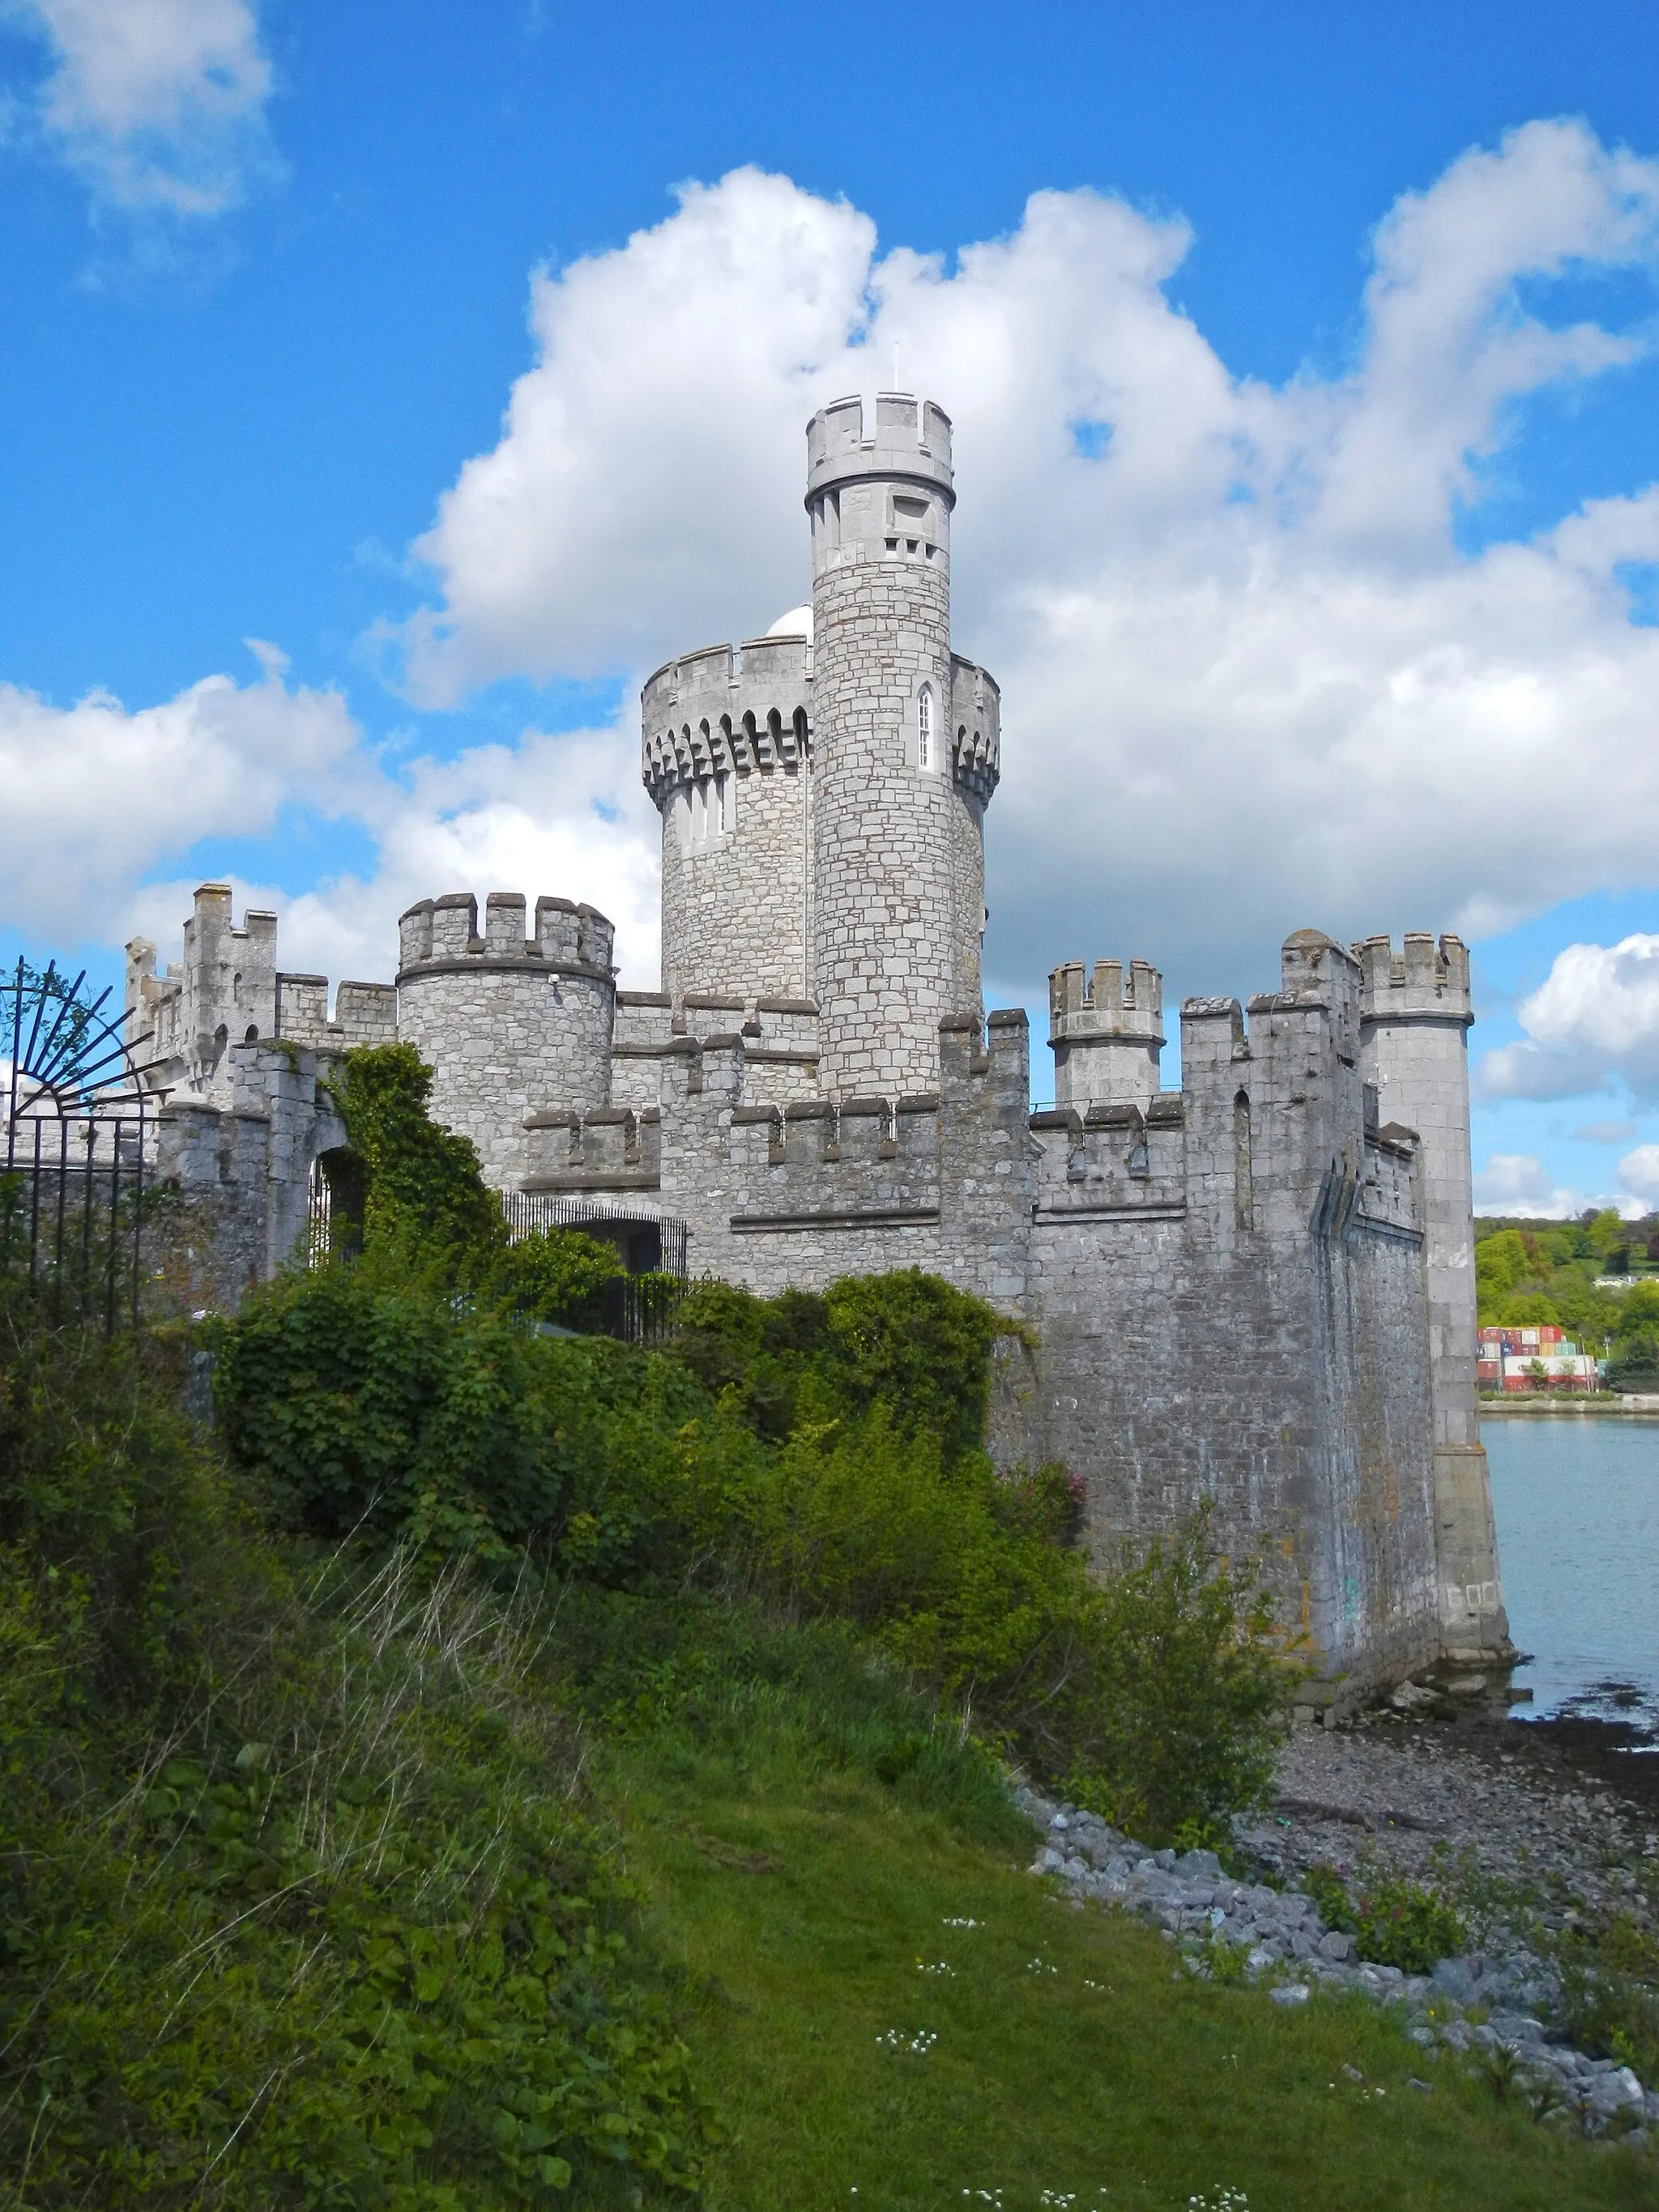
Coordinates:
[1249,678]
[158,104]
[1638,1171]
[549,813]
[1520,1184]
[92,796]
[1595,1018]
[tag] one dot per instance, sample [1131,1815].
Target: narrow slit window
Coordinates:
[1244,1196]
[925,730]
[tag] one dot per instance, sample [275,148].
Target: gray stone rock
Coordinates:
[1291,1993]
[1336,1946]
[1202,1866]
[1515,2027]
[1615,2091]
[1453,1978]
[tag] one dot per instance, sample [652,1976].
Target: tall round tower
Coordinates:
[897,883]
[1413,1020]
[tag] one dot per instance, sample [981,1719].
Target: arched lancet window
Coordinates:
[925,729]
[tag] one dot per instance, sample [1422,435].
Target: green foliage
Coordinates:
[421,1182]
[1394,1921]
[297,1909]
[908,1342]
[1610,1993]
[363,1406]
[1188,1688]
[1545,1271]
[556,1275]
[1157,1697]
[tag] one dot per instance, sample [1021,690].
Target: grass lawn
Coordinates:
[812,1912]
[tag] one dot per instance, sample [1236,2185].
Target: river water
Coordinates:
[1576,1504]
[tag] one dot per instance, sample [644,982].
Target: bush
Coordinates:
[907,1341]
[1394,1921]
[296,1908]
[556,1275]
[367,1408]
[1610,1993]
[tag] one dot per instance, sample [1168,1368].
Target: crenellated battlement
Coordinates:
[364,1014]
[1106,1031]
[907,441]
[568,938]
[727,710]
[1425,980]
[1106,1003]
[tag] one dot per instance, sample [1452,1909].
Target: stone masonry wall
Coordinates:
[734,910]
[724,756]
[510,1025]
[884,902]
[1415,1013]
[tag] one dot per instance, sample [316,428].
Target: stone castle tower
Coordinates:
[1254,1289]
[823,789]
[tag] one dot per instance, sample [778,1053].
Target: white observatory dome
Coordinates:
[798,623]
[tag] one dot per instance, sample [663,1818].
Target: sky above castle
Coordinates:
[388,389]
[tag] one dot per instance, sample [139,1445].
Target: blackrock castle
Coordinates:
[1255,1289]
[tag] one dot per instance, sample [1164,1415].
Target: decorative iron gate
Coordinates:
[75,1119]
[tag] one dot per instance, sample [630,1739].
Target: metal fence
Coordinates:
[74,1124]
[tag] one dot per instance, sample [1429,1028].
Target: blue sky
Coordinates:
[1304,418]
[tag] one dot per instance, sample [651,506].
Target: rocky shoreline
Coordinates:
[1536,1828]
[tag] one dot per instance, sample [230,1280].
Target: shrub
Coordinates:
[1394,1921]
[364,1406]
[556,1275]
[1610,1993]
[296,1907]
[908,1341]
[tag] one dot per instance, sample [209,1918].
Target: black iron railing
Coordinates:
[74,1126]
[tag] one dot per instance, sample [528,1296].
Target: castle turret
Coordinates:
[897,867]
[1414,1017]
[724,735]
[1106,1034]
[224,993]
[510,1024]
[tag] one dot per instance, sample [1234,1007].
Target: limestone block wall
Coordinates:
[976,765]
[220,994]
[885,903]
[1415,1013]
[240,1175]
[364,1014]
[509,1024]
[725,757]
[1227,1291]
